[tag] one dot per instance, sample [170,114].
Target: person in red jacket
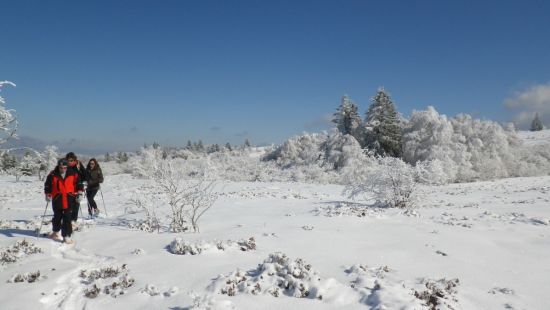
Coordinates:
[62,187]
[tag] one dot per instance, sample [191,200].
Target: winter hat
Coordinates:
[62,162]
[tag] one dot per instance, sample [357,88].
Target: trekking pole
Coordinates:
[104,207]
[42,220]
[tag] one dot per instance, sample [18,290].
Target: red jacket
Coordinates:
[63,190]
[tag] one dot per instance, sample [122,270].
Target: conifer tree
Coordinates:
[536,124]
[347,118]
[383,131]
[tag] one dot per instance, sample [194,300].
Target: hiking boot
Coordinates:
[55,236]
[68,240]
[96,212]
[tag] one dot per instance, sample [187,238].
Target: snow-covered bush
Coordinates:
[146,204]
[185,186]
[387,180]
[100,280]
[439,294]
[181,247]
[277,275]
[18,250]
[29,277]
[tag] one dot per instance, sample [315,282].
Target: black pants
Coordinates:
[90,194]
[62,221]
[74,211]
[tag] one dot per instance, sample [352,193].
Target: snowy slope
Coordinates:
[494,237]
[535,137]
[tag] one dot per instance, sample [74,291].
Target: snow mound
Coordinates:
[380,288]
[210,303]
[182,247]
[22,225]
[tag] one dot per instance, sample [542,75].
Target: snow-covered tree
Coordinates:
[383,130]
[50,157]
[339,150]
[300,150]
[228,147]
[469,149]
[536,124]
[7,161]
[347,118]
[30,164]
[8,120]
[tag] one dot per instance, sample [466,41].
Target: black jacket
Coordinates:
[95,177]
[81,170]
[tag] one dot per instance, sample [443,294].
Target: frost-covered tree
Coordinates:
[30,164]
[300,150]
[469,149]
[228,147]
[50,157]
[347,118]
[122,157]
[536,124]
[383,130]
[339,150]
[199,147]
[8,120]
[247,144]
[7,161]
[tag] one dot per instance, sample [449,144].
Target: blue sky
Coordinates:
[117,74]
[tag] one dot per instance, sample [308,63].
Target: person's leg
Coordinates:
[66,227]
[90,194]
[56,220]
[74,211]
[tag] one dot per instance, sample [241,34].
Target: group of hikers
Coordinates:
[64,188]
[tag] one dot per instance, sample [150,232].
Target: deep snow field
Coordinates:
[482,245]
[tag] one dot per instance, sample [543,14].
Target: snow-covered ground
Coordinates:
[535,137]
[479,245]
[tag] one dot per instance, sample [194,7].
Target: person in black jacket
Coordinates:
[95,177]
[77,167]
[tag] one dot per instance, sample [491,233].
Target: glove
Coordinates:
[48,197]
[78,197]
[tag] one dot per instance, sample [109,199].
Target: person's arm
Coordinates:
[48,188]
[82,174]
[100,176]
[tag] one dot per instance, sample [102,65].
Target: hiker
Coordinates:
[62,186]
[77,167]
[95,177]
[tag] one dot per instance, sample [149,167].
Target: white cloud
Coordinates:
[524,104]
